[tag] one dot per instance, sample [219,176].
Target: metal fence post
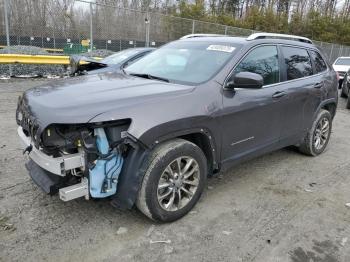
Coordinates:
[91,36]
[193,26]
[331,53]
[7,23]
[340,51]
[225,29]
[7,30]
[147,24]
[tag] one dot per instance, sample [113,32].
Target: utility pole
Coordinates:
[91,36]
[7,29]
[7,23]
[147,24]
[147,27]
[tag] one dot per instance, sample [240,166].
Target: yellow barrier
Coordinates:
[36,59]
[33,59]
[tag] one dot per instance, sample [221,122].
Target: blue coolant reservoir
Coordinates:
[103,177]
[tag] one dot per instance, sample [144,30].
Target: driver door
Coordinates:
[251,117]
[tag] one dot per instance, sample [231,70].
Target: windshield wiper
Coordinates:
[148,76]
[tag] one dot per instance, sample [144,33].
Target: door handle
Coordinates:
[279,94]
[318,85]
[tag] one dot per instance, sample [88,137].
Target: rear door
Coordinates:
[301,88]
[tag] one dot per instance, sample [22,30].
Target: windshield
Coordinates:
[119,57]
[184,61]
[342,61]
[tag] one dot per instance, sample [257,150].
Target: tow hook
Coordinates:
[28,149]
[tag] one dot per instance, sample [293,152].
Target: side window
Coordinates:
[297,61]
[263,61]
[320,64]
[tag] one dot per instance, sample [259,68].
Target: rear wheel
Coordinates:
[316,140]
[173,182]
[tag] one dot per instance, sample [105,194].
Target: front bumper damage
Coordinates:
[57,165]
[49,172]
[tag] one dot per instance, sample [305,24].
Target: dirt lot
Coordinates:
[280,207]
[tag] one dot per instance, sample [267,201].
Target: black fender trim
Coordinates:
[180,133]
[327,102]
[131,176]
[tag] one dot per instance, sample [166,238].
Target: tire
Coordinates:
[160,167]
[348,102]
[309,145]
[340,83]
[343,93]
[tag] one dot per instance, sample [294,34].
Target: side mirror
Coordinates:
[245,80]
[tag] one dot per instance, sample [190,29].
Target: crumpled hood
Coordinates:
[80,99]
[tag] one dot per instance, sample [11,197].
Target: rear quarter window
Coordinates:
[319,63]
[297,62]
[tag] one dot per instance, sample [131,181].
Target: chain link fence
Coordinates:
[108,27]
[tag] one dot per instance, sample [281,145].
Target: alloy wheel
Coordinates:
[178,183]
[321,134]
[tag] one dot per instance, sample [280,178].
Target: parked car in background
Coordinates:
[345,87]
[151,134]
[81,65]
[341,66]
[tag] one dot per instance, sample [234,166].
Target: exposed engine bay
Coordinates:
[102,147]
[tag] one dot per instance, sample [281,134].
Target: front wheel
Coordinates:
[173,182]
[317,138]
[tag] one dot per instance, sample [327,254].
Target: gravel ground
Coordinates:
[280,207]
[98,53]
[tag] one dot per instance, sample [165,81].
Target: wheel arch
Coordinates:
[134,168]
[202,138]
[204,142]
[329,104]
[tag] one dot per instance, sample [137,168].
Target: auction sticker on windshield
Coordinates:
[221,48]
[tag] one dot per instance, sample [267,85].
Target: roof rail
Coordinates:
[281,36]
[202,35]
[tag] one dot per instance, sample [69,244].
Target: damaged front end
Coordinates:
[76,160]
[79,65]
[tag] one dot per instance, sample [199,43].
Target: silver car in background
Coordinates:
[341,66]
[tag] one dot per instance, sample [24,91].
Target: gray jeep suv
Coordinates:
[150,136]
